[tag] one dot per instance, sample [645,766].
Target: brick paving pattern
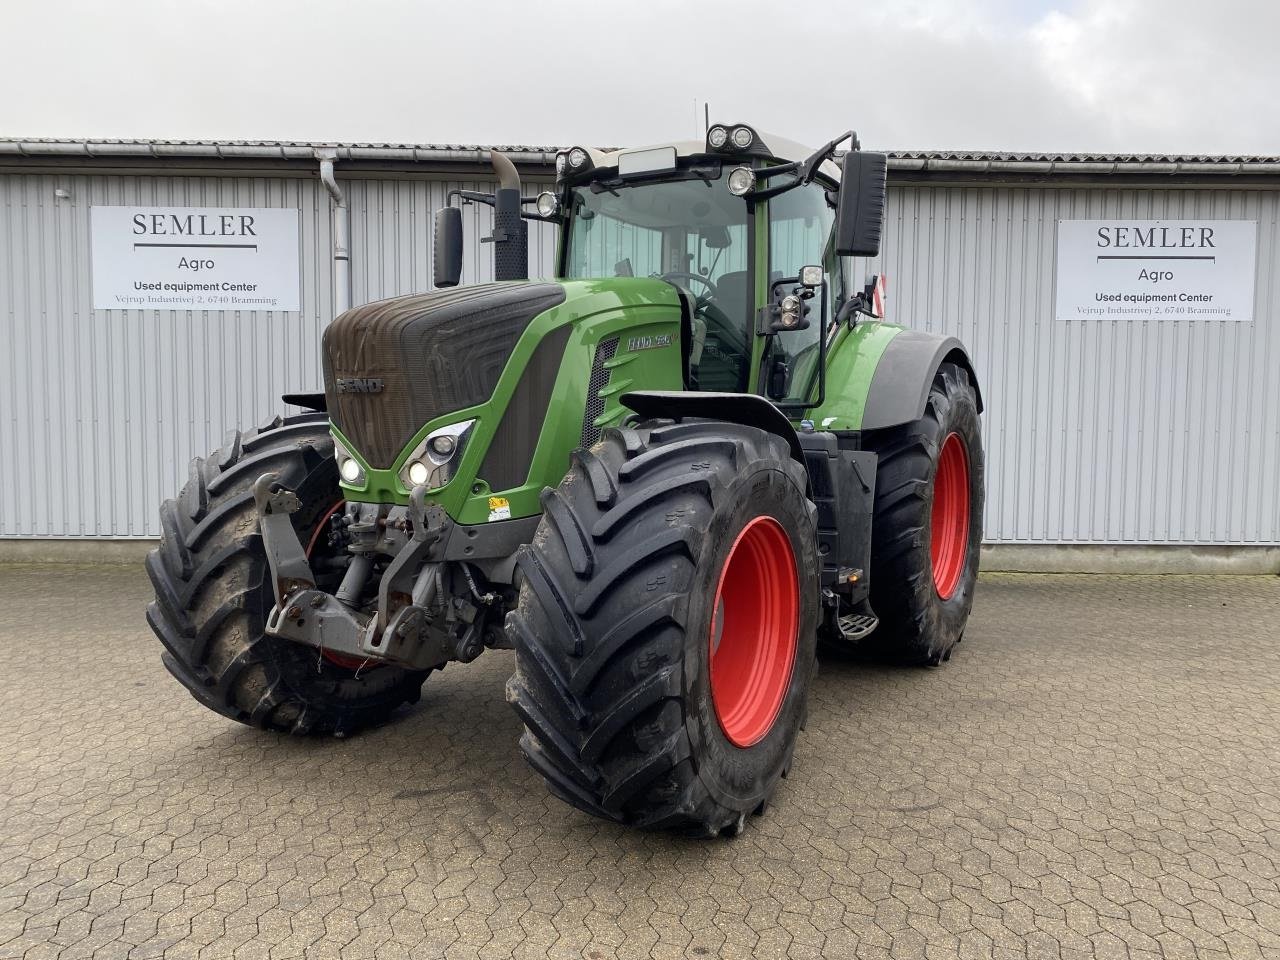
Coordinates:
[1095,773]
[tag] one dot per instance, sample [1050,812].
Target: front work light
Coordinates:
[742,180]
[717,137]
[577,158]
[548,204]
[742,137]
[811,276]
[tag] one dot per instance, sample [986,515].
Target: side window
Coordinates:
[800,234]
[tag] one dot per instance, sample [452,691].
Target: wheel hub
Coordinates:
[949,530]
[753,632]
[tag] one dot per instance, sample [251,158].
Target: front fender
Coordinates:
[878,375]
[899,388]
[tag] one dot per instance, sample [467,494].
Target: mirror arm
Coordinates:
[470,196]
[809,169]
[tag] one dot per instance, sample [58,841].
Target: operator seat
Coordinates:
[728,348]
[733,295]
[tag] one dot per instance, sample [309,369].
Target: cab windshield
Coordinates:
[692,232]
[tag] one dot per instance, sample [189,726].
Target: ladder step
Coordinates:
[855,626]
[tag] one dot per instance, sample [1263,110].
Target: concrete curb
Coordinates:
[996,557]
[1129,559]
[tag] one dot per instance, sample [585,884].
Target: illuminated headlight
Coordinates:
[742,180]
[548,204]
[349,468]
[742,137]
[435,460]
[419,473]
[717,137]
[577,158]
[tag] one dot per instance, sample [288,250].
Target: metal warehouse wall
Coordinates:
[101,410]
[1096,431]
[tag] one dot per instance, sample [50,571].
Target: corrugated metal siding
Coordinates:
[1096,431]
[102,410]
[392,236]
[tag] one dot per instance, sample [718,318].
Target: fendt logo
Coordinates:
[359,384]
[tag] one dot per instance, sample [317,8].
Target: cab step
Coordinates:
[855,626]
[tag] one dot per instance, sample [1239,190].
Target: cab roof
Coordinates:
[776,147]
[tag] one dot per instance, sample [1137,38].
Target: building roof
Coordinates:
[902,162]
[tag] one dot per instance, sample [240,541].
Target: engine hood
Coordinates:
[393,365]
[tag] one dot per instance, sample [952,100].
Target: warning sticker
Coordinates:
[499,508]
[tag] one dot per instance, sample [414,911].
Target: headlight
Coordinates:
[717,137]
[419,473]
[742,137]
[577,158]
[349,468]
[435,460]
[742,180]
[548,204]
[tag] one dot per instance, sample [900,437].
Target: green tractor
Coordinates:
[663,478]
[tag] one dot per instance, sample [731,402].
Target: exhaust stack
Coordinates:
[510,232]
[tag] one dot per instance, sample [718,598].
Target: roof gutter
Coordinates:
[901,162]
[269,151]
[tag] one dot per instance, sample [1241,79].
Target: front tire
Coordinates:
[666,625]
[927,527]
[213,592]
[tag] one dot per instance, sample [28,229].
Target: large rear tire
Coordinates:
[927,528]
[666,625]
[213,592]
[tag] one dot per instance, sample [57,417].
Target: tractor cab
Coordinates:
[739,223]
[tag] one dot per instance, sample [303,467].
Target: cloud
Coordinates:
[1122,75]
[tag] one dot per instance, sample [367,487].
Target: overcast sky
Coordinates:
[1080,75]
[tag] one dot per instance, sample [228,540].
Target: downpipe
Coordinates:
[341,234]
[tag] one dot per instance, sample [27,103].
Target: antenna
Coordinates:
[706,117]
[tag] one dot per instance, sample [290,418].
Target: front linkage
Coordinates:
[419,620]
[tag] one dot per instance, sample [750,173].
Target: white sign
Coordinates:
[1156,269]
[194,258]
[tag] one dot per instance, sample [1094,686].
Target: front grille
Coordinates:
[405,361]
[599,380]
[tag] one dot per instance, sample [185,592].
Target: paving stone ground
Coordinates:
[1095,773]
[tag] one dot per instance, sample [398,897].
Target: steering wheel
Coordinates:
[683,275]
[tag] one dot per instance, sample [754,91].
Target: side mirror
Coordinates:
[860,211]
[448,253]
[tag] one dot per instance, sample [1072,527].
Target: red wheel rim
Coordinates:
[339,659]
[754,625]
[949,533]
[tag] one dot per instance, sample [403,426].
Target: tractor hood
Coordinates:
[393,365]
